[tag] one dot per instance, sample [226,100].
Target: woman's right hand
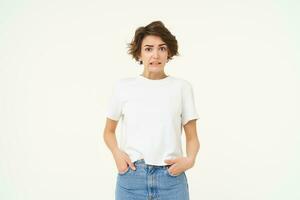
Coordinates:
[122,161]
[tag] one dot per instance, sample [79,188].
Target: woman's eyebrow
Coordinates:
[152,45]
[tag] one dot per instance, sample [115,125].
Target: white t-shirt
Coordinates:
[153,113]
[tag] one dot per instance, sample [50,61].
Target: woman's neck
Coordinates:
[153,75]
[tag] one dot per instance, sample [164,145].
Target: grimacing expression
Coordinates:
[154,53]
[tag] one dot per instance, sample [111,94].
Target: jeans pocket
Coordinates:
[123,173]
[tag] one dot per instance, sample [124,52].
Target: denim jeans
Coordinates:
[150,182]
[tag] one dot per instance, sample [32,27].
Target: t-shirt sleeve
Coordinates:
[189,111]
[114,107]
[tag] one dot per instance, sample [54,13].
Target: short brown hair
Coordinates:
[156,28]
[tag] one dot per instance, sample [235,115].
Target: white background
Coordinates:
[59,59]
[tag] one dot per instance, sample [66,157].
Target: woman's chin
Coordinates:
[155,69]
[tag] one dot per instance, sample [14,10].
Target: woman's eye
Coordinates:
[161,48]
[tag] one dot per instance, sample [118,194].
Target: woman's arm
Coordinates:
[120,157]
[192,141]
[192,147]
[109,135]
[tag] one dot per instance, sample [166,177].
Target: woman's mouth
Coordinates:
[155,63]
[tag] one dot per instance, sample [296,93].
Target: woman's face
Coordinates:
[154,53]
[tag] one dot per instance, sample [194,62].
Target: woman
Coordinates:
[153,107]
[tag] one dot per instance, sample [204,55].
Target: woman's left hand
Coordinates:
[179,164]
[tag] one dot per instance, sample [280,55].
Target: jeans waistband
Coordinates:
[141,162]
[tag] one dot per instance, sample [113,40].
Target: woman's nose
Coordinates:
[155,54]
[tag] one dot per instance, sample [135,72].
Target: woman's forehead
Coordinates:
[151,40]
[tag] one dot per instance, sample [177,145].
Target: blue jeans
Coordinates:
[150,182]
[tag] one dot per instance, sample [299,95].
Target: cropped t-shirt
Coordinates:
[153,113]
